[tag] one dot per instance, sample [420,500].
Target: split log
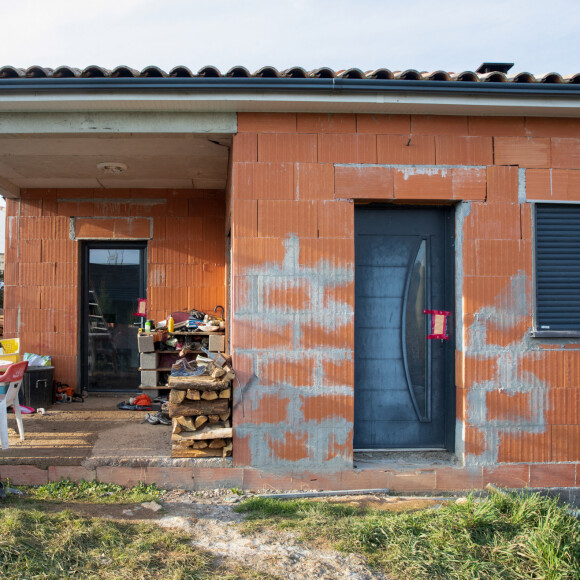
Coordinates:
[229,376]
[209,395]
[227,450]
[225,394]
[179,452]
[176,428]
[217,373]
[217,444]
[200,444]
[186,423]
[199,421]
[191,408]
[203,383]
[215,418]
[176,397]
[205,433]
[225,416]
[193,394]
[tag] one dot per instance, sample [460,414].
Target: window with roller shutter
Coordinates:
[557,270]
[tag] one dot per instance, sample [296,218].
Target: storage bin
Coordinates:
[37,388]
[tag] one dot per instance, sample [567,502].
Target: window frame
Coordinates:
[536,331]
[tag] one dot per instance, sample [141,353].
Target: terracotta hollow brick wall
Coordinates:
[185,233]
[295,180]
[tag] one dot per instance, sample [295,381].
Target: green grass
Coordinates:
[34,544]
[37,543]
[93,492]
[512,536]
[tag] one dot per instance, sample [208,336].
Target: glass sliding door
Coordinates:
[114,277]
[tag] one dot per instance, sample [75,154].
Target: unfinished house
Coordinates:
[398,255]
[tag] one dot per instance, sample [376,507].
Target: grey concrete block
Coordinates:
[149,361]
[149,378]
[217,343]
[145,343]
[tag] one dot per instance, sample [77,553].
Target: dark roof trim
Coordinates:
[155,83]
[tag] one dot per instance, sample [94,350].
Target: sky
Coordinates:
[537,35]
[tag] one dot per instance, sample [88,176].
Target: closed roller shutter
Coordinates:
[558,268]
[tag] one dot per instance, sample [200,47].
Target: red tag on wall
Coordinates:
[141,307]
[438,324]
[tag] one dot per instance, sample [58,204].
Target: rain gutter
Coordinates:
[275,85]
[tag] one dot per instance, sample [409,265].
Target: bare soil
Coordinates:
[214,527]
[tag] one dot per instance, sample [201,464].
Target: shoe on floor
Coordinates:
[152,418]
[163,419]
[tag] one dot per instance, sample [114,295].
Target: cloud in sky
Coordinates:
[423,34]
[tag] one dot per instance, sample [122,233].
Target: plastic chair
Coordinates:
[13,375]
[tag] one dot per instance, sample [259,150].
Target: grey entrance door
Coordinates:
[403,382]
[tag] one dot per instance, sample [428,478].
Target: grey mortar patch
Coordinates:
[521,185]
[321,310]
[512,305]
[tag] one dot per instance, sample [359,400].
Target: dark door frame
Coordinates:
[449,393]
[83,301]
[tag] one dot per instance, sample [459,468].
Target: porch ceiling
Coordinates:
[154,160]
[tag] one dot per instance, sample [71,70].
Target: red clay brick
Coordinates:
[420,480]
[266,481]
[287,147]
[347,148]
[364,182]
[474,441]
[566,443]
[428,184]
[326,123]
[170,477]
[24,474]
[319,408]
[326,252]
[89,228]
[511,476]
[521,446]
[566,153]
[405,150]
[292,446]
[522,151]
[469,184]
[438,125]
[72,472]
[133,228]
[314,181]
[337,373]
[30,251]
[502,184]
[385,124]
[218,477]
[267,122]
[453,479]
[335,219]
[250,253]
[125,476]
[552,475]
[283,218]
[31,207]
[245,148]
[269,409]
[526,221]
[497,126]
[263,181]
[283,370]
[454,150]
[506,406]
[498,221]
[539,184]
[245,218]
[289,295]
[552,127]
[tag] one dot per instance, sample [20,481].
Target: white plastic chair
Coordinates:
[13,375]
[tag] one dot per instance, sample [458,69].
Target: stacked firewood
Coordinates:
[200,409]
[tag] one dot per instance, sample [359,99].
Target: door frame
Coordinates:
[450,304]
[83,301]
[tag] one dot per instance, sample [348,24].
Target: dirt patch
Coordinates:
[213,525]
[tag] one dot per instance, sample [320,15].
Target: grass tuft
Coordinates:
[511,536]
[94,492]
